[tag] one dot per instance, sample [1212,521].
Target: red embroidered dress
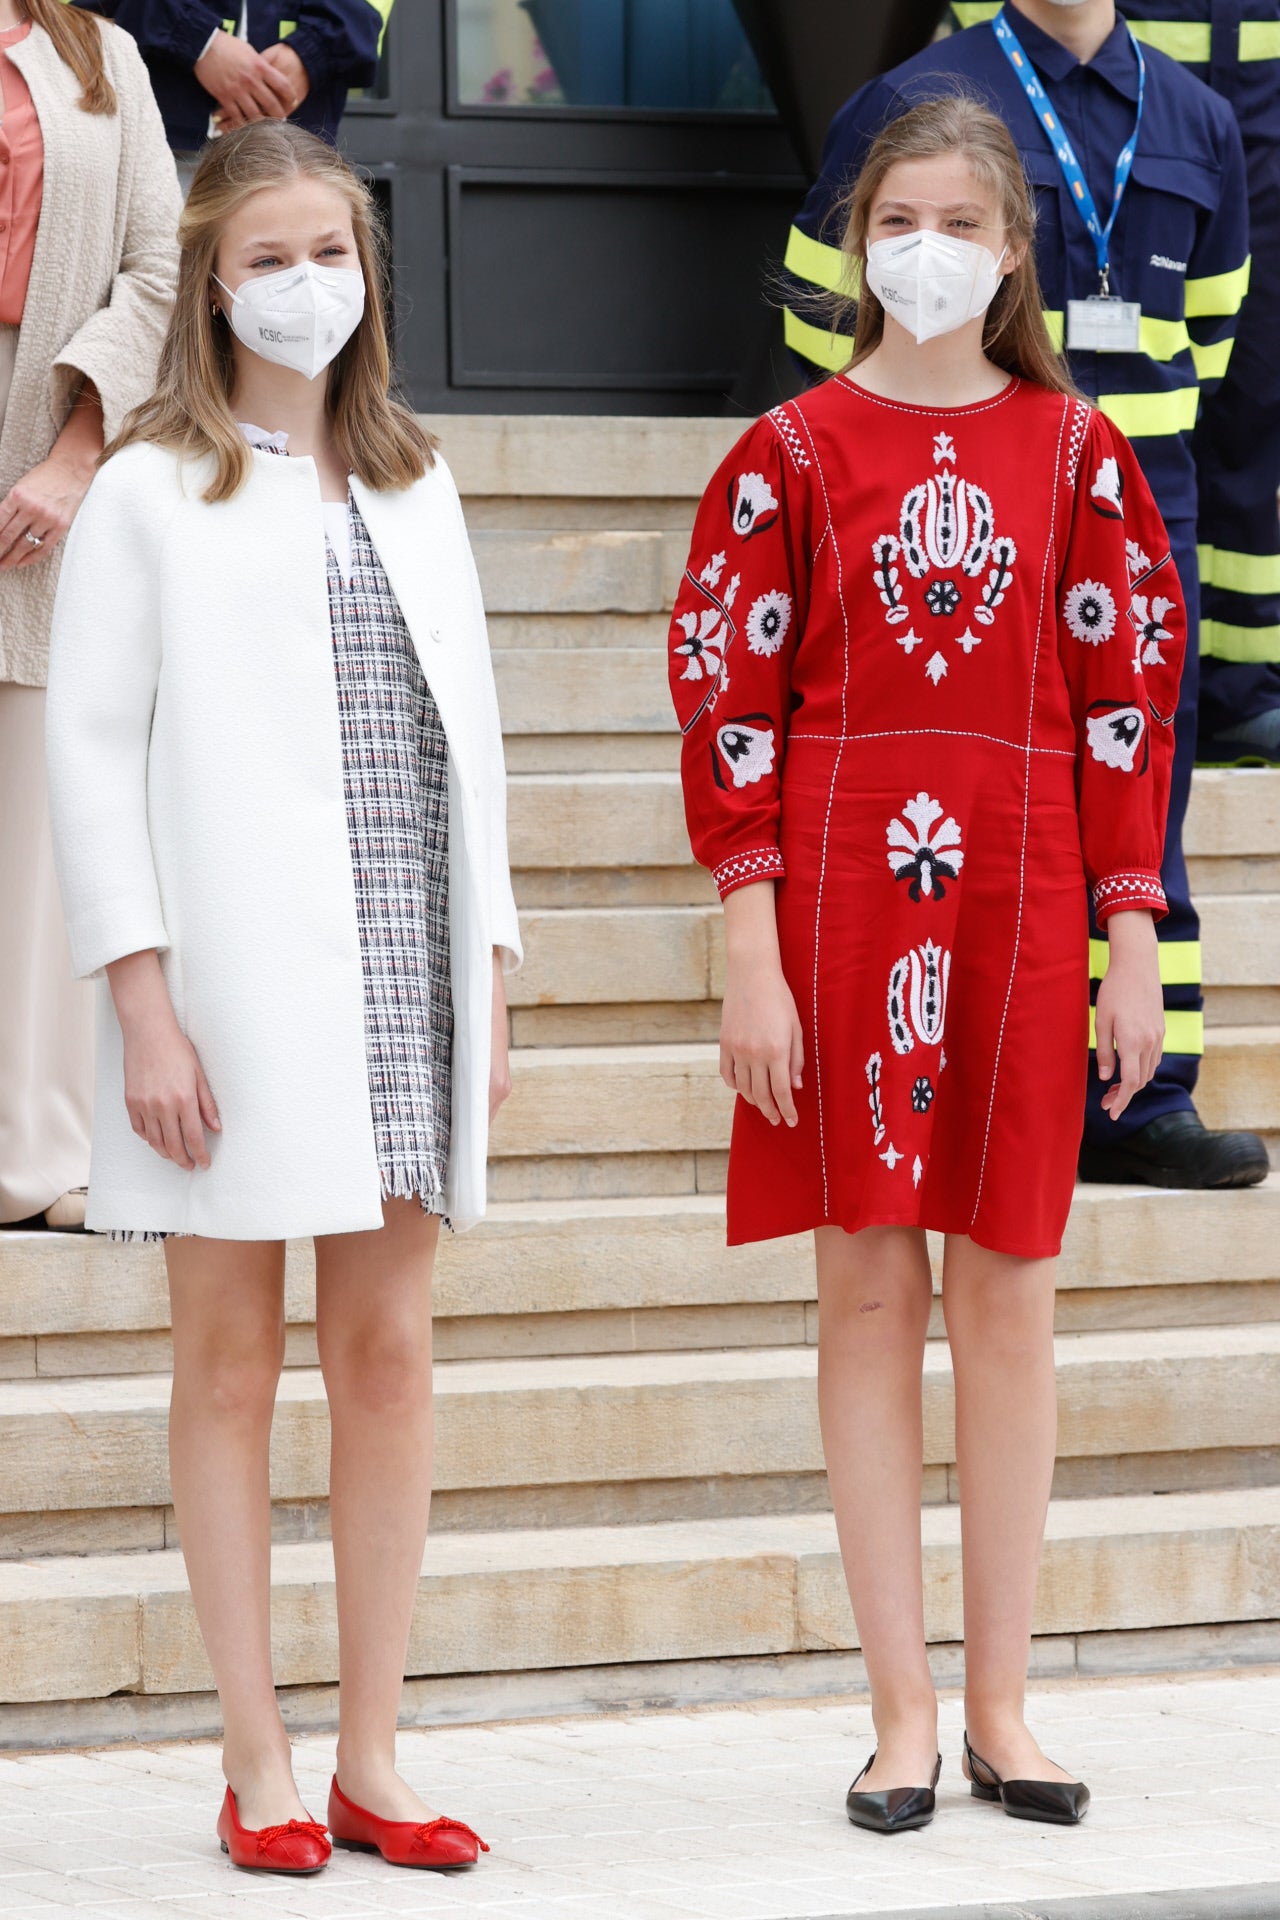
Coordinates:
[926,663]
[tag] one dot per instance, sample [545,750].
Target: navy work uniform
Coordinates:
[1179,248]
[1234,45]
[337,42]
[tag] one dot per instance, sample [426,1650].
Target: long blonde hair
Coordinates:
[190,411]
[1014,336]
[77,40]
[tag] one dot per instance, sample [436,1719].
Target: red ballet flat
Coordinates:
[438,1843]
[297,1846]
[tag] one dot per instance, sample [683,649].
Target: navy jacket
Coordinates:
[1180,244]
[337,42]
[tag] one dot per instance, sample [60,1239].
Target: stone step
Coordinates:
[629,955]
[613,1268]
[636,820]
[565,570]
[81,1628]
[522,1425]
[596,690]
[563,456]
[657,1099]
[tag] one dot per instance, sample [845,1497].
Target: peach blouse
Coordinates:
[21,182]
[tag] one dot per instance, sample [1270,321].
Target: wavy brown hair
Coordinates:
[1014,335]
[77,39]
[190,411]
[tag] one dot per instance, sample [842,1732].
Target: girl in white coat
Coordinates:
[280,822]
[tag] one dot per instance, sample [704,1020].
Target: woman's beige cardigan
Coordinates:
[102,283]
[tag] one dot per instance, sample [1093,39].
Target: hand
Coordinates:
[165,1091]
[1130,1011]
[285,61]
[245,83]
[499,1057]
[761,1045]
[43,503]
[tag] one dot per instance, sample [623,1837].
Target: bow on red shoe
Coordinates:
[439,1843]
[294,1846]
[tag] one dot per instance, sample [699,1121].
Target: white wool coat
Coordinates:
[102,282]
[196,791]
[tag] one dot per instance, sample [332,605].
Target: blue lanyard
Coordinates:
[1073,172]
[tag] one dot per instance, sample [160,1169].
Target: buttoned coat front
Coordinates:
[196,789]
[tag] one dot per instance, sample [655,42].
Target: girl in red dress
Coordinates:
[925,658]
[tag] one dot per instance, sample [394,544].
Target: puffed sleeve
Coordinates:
[738,616]
[1121,639]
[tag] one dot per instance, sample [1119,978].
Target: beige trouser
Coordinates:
[46,1017]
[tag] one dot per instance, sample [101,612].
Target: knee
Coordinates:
[382,1368]
[234,1379]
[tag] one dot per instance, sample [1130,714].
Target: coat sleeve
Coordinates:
[504,921]
[738,615]
[337,41]
[104,667]
[118,347]
[174,29]
[1121,640]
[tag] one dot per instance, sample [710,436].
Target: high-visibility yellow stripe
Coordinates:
[287,27]
[1221,641]
[1216,293]
[1211,362]
[1183,1031]
[1240,572]
[1143,415]
[822,266]
[1162,339]
[1055,321]
[1260,40]
[1180,962]
[830,351]
[1181,39]
[1204,561]
[969,13]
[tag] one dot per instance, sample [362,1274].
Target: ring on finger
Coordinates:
[32,539]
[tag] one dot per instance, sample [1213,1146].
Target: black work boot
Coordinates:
[1177,1150]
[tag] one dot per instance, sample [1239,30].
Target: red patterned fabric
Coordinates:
[926,664]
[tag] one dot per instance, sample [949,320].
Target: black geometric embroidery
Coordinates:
[921,1095]
[942,597]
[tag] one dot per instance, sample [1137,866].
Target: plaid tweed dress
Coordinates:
[396,779]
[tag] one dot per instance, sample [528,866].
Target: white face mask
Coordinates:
[300,317]
[930,283]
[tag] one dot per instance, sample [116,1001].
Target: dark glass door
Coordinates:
[585,199]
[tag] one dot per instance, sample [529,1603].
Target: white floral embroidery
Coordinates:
[909,641]
[710,575]
[891,1156]
[917,1001]
[1115,736]
[731,591]
[968,641]
[1136,559]
[1107,491]
[910,526]
[1003,554]
[944,447]
[936,667]
[755,506]
[922,851]
[1149,617]
[703,643]
[884,552]
[874,1065]
[917,1171]
[747,751]
[767,622]
[1090,611]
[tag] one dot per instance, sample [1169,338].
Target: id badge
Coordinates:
[1103,324]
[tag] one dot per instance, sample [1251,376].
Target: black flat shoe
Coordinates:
[895,1809]
[1177,1150]
[1059,1803]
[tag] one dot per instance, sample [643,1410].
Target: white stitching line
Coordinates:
[754,861]
[826,825]
[949,733]
[932,413]
[1050,546]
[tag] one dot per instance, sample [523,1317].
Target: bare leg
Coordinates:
[227,1304]
[999,1313]
[373,1324]
[874,1295]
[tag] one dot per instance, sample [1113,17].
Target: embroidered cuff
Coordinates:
[1122,892]
[740,869]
